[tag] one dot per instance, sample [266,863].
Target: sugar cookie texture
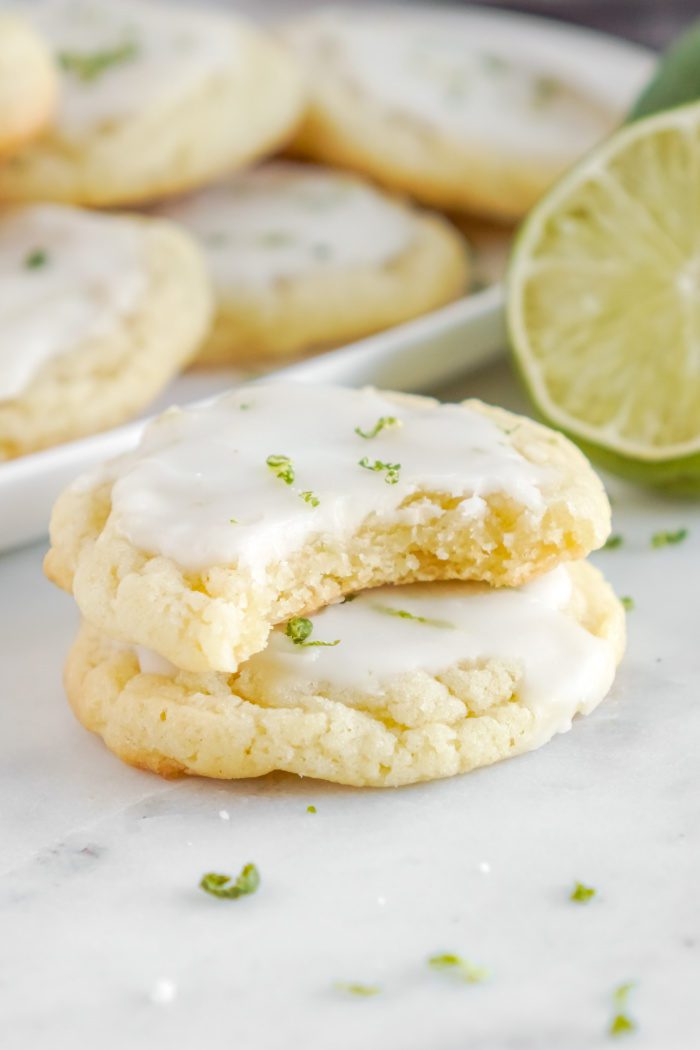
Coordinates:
[302,257]
[27,83]
[268,504]
[468,675]
[154,99]
[98,312]
[459,109]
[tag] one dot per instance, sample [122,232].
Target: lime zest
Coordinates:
[402,614]
[582,893]
[459,966]
[362,991]
[392,469]
[382,423]
[299,628]
[668,539]
[227,888]
[89,66]
[282,467]
[36,260]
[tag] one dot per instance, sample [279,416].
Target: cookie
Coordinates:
[97,314]
[295,268]
[276,500]
[27,84]
[426,681]
[155,99]
[461,109]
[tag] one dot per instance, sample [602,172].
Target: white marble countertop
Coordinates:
[101,918]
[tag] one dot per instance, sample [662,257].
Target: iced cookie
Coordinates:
[155,99]
[97,313]
[274,501]
[303,257]
[406,684]
[27,84]
[461,109]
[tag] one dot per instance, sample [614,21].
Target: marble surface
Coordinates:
[106,940]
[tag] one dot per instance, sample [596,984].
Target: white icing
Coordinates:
[284,220]
[565,669]
[151,662]
[92,275]
[463,73]
[197,469]
[171,52]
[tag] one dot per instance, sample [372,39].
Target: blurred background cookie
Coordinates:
[27,83]
[97,314]
[303,258]
[155,99]
[465,110]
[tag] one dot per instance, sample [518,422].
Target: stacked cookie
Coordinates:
[363,587]
[137,103]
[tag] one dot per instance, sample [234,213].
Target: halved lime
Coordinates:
[604,301]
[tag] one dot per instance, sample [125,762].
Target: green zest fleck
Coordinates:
[282,466]
[667,539]
[392,469]
[224,886]
[627,603]
[613,542]
[354,988]
[35,260]
[233,521]
[308,497]
[382,424]
[311,809]
[544,90]
[404,615]
[88,67]
[622,994]
[299,629]
[582,893]
[622,1023]
[245,406]
[464,969]
[276,239]
[494,63]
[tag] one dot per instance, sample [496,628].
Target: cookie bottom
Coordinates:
[225,726]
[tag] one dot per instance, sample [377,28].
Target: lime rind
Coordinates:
[674,463]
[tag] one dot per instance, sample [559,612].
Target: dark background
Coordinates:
[651,22]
